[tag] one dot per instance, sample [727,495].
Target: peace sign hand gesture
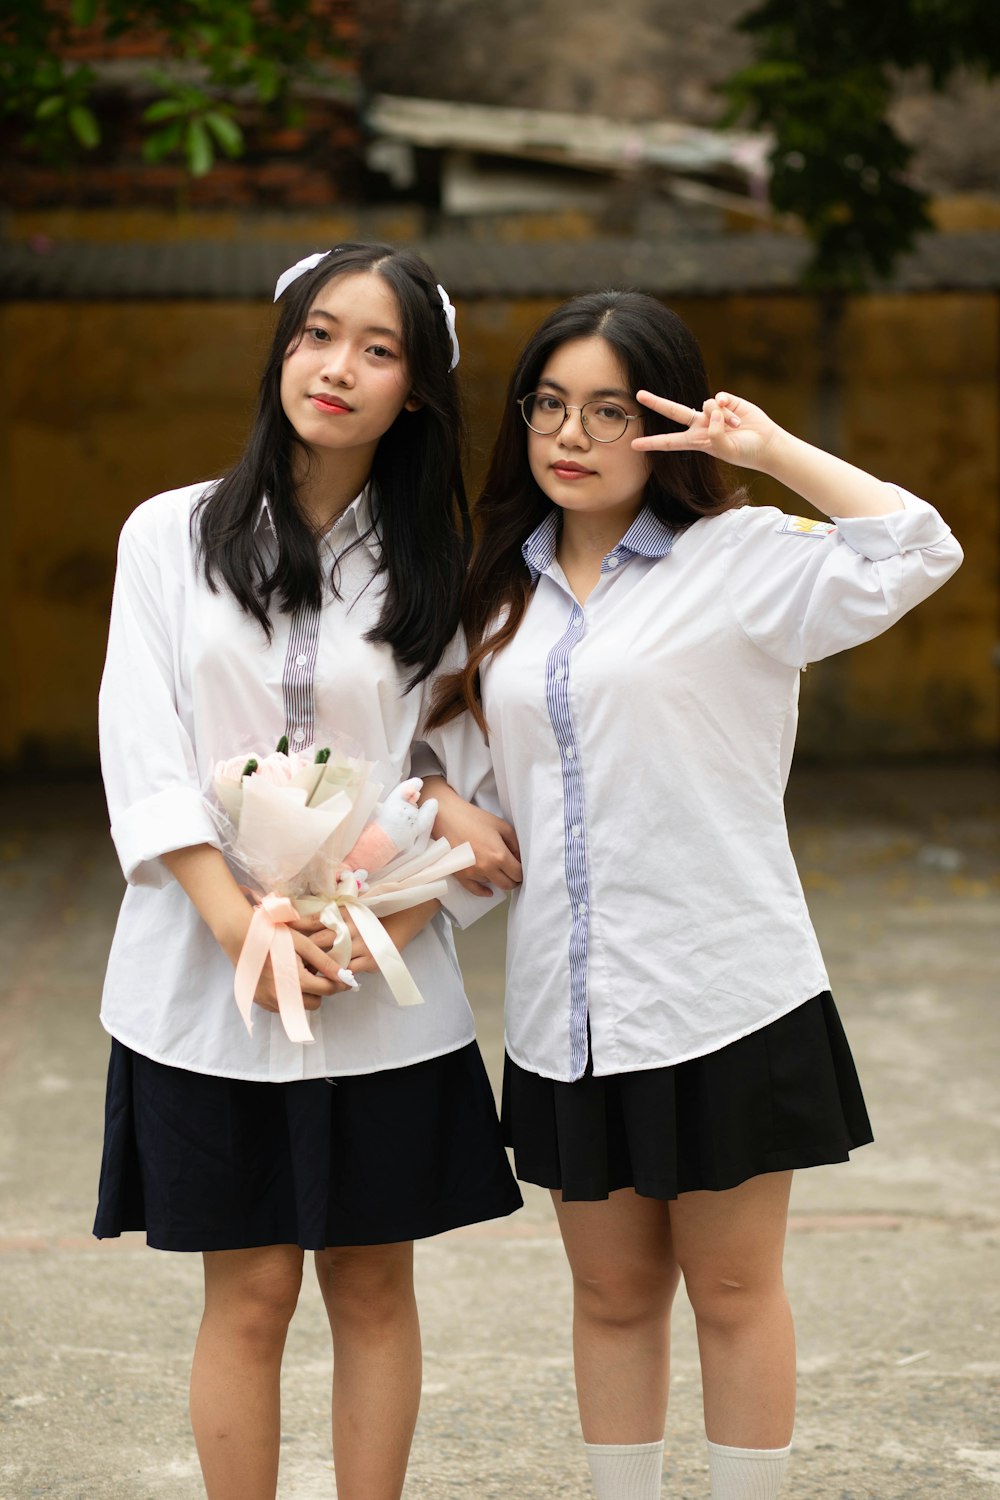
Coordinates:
[727,427]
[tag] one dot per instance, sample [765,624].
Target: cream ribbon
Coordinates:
[268,937]
[381,947]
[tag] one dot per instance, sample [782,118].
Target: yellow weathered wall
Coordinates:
[103,405]
[113,226]
[106,403]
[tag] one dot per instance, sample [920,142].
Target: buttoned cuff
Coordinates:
[463,907]
[916,526]
[175,818]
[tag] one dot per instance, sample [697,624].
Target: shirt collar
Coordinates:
[540,549]
[359,516]
[647,536]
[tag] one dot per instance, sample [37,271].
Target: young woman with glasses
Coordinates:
[636,632]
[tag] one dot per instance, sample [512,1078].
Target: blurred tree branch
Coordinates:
[822,83]
[216,57]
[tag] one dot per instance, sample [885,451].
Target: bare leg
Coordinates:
[368,1291]
[624,1279]
[250,1296]
[729,1246]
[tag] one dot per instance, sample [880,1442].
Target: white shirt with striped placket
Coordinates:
[190,680]
[641,743]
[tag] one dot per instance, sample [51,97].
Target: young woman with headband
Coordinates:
[312,591]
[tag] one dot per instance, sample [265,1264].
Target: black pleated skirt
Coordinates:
[786,1096]
[207,1163]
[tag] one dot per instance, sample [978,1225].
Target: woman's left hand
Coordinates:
[493,840]
[402,927]
[727,427]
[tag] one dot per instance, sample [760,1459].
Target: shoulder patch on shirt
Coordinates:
[802,526]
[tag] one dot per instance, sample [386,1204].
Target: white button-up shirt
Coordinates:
[190,680]
[641,743]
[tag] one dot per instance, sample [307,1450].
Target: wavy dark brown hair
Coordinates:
[658,352]
[420,509]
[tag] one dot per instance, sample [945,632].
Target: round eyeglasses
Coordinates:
[602,420]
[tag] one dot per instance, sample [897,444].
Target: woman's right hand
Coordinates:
[494,842]
[317,973]
[202,873]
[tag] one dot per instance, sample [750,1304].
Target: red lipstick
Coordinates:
[331,405]
[571,471]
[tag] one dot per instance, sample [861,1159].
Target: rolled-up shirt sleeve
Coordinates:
[147,758]
[803,590]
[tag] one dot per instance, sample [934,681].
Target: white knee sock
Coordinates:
[626,1471]
[746,1473]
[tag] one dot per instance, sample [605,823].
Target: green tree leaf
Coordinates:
[226,131]
[162,143]
[50,107]
[198,148]
[163,109]
[83,123]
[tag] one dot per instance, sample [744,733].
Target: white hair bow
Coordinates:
[449,317]
[299,269]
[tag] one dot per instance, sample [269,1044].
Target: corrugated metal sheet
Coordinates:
[588,141]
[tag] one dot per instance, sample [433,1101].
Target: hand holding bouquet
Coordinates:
[313,837]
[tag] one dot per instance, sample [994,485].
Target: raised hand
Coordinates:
[727,427]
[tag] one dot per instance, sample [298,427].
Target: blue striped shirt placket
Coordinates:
[557,679]
[647,537]
[298,675]
[298,678]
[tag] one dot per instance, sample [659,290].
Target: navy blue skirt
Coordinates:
[207,1163]
[786,1096]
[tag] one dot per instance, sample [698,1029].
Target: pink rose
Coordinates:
[277,768]
[231,771]
[280,769]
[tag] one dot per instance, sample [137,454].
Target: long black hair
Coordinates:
[657,351]
[418,494]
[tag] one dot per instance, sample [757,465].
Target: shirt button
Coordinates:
[576,617]
[582,909]
[301,659]
[560,673]
[613,562]
[570,752]
[298,736]
[575,830]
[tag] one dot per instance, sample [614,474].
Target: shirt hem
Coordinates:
[648,1064]
[243,1076]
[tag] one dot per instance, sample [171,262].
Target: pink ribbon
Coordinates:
[268,936]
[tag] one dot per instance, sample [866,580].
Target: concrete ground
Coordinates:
[892,1260]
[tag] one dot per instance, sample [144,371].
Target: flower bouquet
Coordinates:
[312,833]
